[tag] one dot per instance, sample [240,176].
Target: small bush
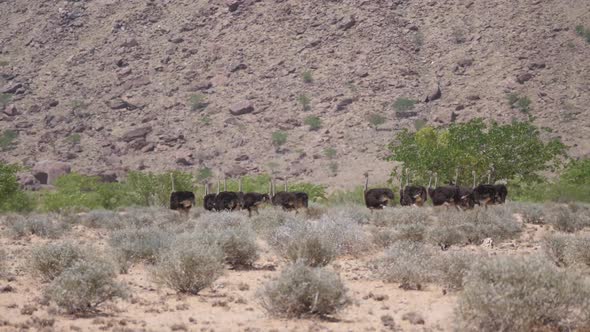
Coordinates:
[8,140]
[404,104]
[270,219]
[568,249]
[303,241]
[74,139]
[523,294]
[5,99]
[102,219]
[84,286]
[3,265]
[43,225]
[301,290]
[279,138]
[401,216]
[376,120]
[521,103]
[454,267]
[568,218]
[409,263]
[198,102]
[330,153]
[133,245]
[50,260]
[305,102]
[307,77]
[313,122]
[583,32]
[532,213]
[333,168]
[189,266]
[234,234]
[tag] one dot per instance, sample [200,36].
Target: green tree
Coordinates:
[514,150]
[11,197]
[577,172]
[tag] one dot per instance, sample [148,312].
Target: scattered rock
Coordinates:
[11,88]
[487,243]
[136,133]
[433,94]
[235,171]
[473,97]
[237,66]
[343,104]
[119,104]
[465,62]
[233,5]
[7,289]
[523,77]
[413,318]
[348,23]
[200,86]
[242,157]
[242,107]
[47,171]
[28,182]
[388,321]
[176,40]
[11,110]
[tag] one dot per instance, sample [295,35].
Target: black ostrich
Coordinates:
[485,194]
[181,200]
[227,200]
[377,198]
[446,195]
[209,199]
[412,195]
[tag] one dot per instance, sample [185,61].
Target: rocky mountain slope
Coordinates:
[110,85]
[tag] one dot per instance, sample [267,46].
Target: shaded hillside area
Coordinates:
[111,86]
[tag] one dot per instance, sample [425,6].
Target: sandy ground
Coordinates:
[231,304]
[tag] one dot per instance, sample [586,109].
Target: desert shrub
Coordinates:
[568,218]
[315,210]
[43,225]
[85,285]
[11,197]
[233,233]
[454,266]
[522,103]
[568,249]
[357,213]
[301,290]
[353,197]
[376,119]
[409,263]
[50,260]
[410,232]
[278,138]
[404,104]
[307,76]
[583,32]
[523,294]
[532,213]
[345,232]
[313,122]
[383,237]
[304,101]
[271,218]
[3,264]
[198,102]
[330,152]
[148,217]
[305,242]
[8,140]
[189,266]
[401,216]
[101,219]
[132,245]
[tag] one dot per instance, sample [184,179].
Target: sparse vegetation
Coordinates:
[198,102]
[85,285]
[568,249]
[409,263]
[522,294]
[330,153]
[4,63]
[313,122]
[307,76]
[189,266]
[583,32]
[8,140]
[305,102]
[5,99]
[376,120]
[521,103]
[568,218]
[133,245]
[78,105]
[74,139]
[333,167]
[279,138]
[404,104]
[42,225]
[12,198]
[301,290]
[48,261]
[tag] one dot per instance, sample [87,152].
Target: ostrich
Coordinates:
[412,195]
[485,193]
[209,199]
[501,189]
[466,200]
[447,195]
[284,199]
[227,200]
[376,198]
[181,200]
[251,201]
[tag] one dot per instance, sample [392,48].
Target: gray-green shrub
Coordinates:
[523,294]
[43,225]
[189,266]
[568,218]
[48,261]
[409,263]
[568,249]
[301,290]
[132,245]
[85,285]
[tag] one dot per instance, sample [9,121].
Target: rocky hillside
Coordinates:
[110,85]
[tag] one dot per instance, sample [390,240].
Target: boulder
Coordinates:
[11,110]
[11,88]
[47,171]
[242,107]
[343,104]
[233,5]
[523,77]
[136,133]
[28,182]
[434,93]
